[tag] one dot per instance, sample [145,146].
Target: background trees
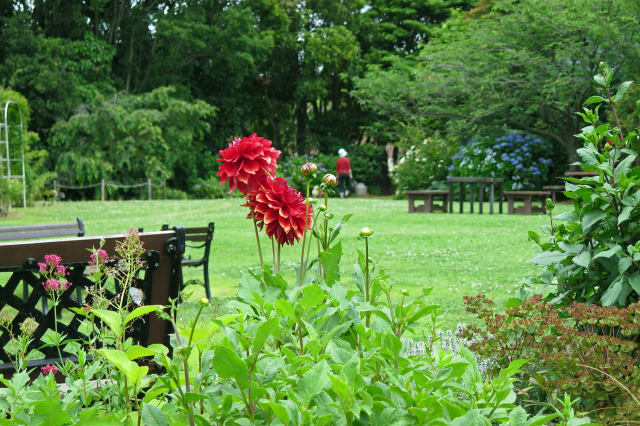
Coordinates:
[315,75]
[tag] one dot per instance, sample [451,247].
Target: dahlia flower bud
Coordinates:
[308,168]
[365,232]
[549,204]
[322,207]
[330,180]
[608,146]
[204,301]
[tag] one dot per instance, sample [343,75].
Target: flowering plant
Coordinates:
[522,160]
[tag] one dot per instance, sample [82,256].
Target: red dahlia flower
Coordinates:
[247,163]
[282,209]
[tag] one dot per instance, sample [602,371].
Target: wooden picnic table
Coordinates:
[472,181]
[579,174]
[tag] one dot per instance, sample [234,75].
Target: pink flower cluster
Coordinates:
[54,272]
[100,257]
[49,369]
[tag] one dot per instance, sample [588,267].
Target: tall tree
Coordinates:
[525,66]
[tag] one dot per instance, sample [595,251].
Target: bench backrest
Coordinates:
[203,235]
[26,232]
[18,265]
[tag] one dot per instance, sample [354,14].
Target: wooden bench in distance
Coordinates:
[554,189]
[204,236]
[30,232]
[527,197]
[429,197]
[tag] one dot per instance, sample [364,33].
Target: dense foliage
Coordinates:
[522,160]
[527,65]
[592,252]
[424,164]
[587,351]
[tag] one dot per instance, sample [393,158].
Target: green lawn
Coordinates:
[455,254]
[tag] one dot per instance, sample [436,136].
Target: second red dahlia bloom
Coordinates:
[247,163]
[281,209]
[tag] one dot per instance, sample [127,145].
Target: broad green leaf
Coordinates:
[518,417]
[534,237]
[611,295]
[111,318]
[471,418]
[624,263]
[278,410]
[119,359]
[623,167]
[265,329]
[330,261]
[137,351]
[568,216]
[625,214]
[599,79]
[153,416]
[590,219]
[588,156]
[608,253]
[634,282]
[622,90]
[228,365]
[142,310]
[594,100]
[312,382]
[312,296]
[49,412]
[135,375]
[547,258]
[570,248]
[583,259]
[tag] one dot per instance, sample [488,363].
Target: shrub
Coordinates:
[423,165]
[289,168]
[522,160]
[592,253]
[587,351]
[209,188]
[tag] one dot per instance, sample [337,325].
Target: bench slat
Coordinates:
[41,226]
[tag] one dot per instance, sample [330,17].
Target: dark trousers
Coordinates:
[343,182]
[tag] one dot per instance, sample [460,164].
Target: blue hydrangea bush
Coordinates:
[524,161]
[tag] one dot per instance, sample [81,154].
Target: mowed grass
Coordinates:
[454,254]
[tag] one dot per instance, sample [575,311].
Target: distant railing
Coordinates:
[57,186]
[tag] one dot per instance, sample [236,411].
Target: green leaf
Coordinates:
[599,79]
[588,156]
[625,214]
[278,410]
[534,237]
[136,374]
[594,100]
[568,216]
[471,418]
[513,302]
[583,259]
[312,382]
[547,258]
[228,365]
[312,296]
[608,253]
[137,351]
[49,412]
[634,282]
[623,167]
[153,416]
[265,329]
[622,90]
[111,318]
[518,417]
[611,295]
[119,359]
[624,263]
[142,310]
[591,219]
[330,261]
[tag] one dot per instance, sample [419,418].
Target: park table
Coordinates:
[471,182]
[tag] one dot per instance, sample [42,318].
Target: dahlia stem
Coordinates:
[273,255]
[255,228]
[279,246]
[304,234]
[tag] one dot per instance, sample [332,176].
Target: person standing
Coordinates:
[343,170]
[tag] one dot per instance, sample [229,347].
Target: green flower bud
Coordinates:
[365,232]
[322,207]
[405,292]
[308,168]
[608,146]
[204,301]
[330,180]
[549,204]
[328,215]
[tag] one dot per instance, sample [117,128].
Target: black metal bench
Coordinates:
[203,236]
[30,232]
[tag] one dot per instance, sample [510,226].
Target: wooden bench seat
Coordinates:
[527,197]
[429,197]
